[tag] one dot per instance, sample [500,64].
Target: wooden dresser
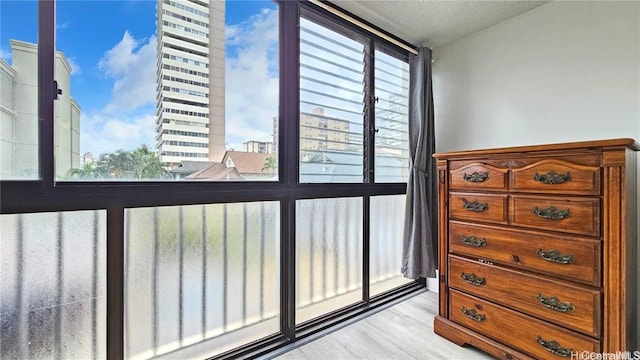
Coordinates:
[537,249]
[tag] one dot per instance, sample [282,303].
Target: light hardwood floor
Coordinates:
[403,331]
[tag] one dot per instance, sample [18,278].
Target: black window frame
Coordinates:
[48,195]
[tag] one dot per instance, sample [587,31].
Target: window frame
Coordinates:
[45,194]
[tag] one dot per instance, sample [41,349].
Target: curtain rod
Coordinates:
[362,25]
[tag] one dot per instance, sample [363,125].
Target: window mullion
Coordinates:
[288,149]
[115,282]
[366,246]
[369,162]
[47,90]
[369,113]
[289,110]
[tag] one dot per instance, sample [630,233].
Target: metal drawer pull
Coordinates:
[473,279]
[555,348]
[552,213]
[555,256]
[475,205]
[473,315]
[474,241]
[555,304]
[476,177]
[552,178]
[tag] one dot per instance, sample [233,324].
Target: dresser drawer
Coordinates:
[559,302]
[557,176]
[477,176]
[536,337]
[478,207]
[569,257]
[573,215]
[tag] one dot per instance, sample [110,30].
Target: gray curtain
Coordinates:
[420,227]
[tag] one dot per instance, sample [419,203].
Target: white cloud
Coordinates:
[63,25]
[252,83]
[132,63]
[101,133]
[75,68]
[128,119]
[252,87]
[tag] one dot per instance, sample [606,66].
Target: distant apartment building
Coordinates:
[190,110]
[319,132]
[263,147]
[19,115]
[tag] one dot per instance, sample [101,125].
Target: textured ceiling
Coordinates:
[434,23]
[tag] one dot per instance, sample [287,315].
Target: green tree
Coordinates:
[146,164]
[88,171]
[141,163]
[270,164]
[116,165]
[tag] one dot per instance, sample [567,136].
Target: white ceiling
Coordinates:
[432,22]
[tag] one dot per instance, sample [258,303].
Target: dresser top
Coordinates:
[610,143]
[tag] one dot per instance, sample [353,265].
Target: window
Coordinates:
[337,100]
[332,94]
[391,118]
[344,114]
[190,64]
[233,259]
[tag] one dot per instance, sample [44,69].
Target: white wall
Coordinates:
[7,119]
[565,71]
[24,60]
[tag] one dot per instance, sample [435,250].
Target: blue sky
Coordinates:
[111,47]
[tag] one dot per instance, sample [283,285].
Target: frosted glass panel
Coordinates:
[387,226]
[328,255]
[52,285]
[202,276]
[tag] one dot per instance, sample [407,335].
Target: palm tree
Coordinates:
[270,163]
[118,164]
[146,164]
[140,163]
[87,171]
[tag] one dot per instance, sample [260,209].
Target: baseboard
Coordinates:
[432,284]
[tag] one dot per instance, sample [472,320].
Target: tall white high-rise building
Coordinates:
[190,121]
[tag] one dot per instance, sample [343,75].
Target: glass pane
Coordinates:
[331,105]
[328,255]
[392,121]
[52,285]
[167,90]
[18,90]
[201,279]
[387,226]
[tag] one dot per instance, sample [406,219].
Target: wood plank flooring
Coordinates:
[403,331]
